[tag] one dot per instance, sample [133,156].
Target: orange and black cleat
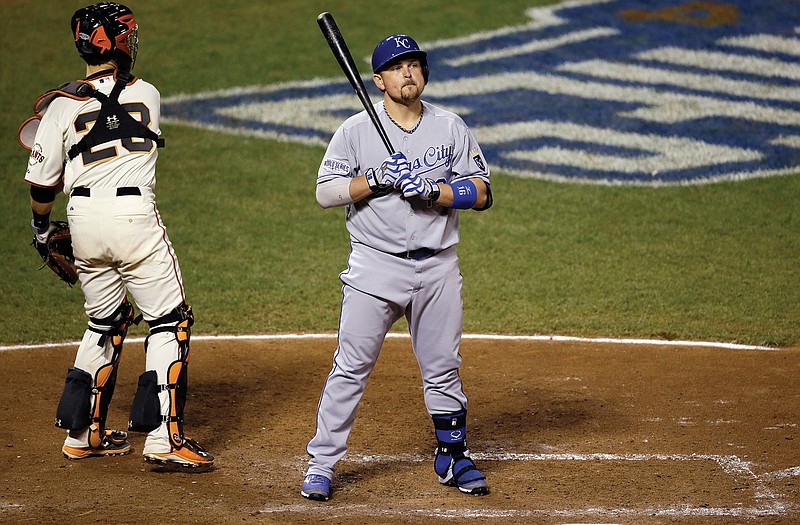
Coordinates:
[114,443]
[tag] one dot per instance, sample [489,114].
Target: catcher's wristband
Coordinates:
[40,222]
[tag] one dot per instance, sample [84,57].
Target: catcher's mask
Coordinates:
[106,31]
[397,47]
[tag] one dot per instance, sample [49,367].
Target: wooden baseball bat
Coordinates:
[339,48]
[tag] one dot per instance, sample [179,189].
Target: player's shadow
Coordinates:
[516,419]
[525,421]
[239,393]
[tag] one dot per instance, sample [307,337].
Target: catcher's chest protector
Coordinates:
[113,121]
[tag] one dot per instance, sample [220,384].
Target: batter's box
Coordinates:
[573,485]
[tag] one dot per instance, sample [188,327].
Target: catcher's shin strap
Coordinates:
[179,321]
[119,322]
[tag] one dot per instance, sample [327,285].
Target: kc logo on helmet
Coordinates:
[401,42]
[592,91]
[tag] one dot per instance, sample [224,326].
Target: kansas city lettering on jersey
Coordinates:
[434,157]
[595,91]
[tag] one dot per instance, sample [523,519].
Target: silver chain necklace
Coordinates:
[409,131]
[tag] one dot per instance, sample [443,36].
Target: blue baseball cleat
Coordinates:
[462,473]
[316,487]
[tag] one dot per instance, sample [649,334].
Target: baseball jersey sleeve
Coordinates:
[468,159]
[337,160]
[46,161]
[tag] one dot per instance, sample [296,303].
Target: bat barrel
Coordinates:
[339,48]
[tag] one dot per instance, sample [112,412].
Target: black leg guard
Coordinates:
[74,408]
[146,409]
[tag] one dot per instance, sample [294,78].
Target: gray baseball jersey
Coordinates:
[383,282]
[441,148]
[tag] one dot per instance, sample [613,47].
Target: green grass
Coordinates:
[716,262]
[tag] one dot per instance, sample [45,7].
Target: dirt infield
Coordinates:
[567,432]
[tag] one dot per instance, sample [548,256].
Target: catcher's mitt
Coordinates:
[56,251]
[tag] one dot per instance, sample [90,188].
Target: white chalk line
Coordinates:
[730,464]
[332,510]
[780,474]
[396,335]
[768,503]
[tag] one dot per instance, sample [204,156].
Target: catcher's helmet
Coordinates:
[396,47]
[106,31]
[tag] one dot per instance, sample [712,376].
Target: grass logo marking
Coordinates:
[593,91]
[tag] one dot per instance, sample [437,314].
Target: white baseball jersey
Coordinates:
[66,121]
[119,241]
[442,148]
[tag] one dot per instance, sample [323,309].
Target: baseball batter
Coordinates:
[97,138]
[402,216]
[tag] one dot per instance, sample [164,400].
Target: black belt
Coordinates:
[420,254]
[83,191]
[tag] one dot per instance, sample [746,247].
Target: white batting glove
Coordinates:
[392,168]
[414,186]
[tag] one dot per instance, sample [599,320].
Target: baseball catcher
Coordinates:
[97,139]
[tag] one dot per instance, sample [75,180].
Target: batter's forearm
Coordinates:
[335,192]
[480,200]
[446,195]
[342,190]
[359,188]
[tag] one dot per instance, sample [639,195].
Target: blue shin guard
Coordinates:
[453,464]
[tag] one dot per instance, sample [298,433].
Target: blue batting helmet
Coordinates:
[396,47]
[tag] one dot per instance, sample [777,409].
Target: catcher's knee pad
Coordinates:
[117,323]
[179,321]
[74,407]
